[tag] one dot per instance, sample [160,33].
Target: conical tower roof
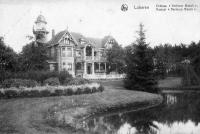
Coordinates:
[41,18]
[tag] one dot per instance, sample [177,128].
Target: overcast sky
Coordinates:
[98,18]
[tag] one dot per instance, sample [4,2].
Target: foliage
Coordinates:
[170,60]
[18,83]
[8,60]
[34,57]
[39,76]
[52,81]
[167,59]
[78,81]
[115,58]
[139,61]
[45,91]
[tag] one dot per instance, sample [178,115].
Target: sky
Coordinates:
[98,18]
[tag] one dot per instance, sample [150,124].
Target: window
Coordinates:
[67,52]
[66,41]
[69,66]
[101,54]
[95,53]
[111,41]
[78,66]
[52,52]
[63,52]
[78,53]
[88,51]
[82,41]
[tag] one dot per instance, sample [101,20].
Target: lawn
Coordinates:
[170,82]
[30,115]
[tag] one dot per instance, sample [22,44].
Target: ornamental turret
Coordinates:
[39,29]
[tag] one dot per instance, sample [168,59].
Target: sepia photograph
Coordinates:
[99,66]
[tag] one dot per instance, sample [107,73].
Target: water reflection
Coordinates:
[179,114]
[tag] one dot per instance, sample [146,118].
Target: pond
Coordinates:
[178,114]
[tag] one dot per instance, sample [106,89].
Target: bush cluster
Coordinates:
[18,83]
[53,81]
[39,76]
[45,91]
[77,81]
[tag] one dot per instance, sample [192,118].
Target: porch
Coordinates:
[95,70]
[104,76]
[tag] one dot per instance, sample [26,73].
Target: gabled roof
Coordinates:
[97,42]
[56,38]
[77,37]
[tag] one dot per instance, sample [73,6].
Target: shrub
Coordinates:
[87,90]
[1,95]
[53,81]
[78,81]
[45,93]
[39,76]
[93,89]
[101,88]
[63,75]
[67,80]
[11,93]
[69,91]
[33,93]
[18,83]
[58,92]
[24,94]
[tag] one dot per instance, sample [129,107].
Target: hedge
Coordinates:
[39,76]
[53,81]
[45,91]
[18,83]
[76,81]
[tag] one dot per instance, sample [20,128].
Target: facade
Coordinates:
[79,55]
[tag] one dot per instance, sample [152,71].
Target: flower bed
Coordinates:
[45,91]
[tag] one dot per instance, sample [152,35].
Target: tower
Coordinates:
[39,29]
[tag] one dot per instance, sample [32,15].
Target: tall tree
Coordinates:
[34,57]
[8,58]
[115,58]
[139,61]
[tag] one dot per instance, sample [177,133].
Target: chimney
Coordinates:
[53,33]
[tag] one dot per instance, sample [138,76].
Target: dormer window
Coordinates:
[82,41]
[111,41]
[67,39]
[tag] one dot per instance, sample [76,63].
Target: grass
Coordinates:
[170,82]
[58,115]
[174,84]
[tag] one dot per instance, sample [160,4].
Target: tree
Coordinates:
[34,57]
[115,58]
[139,61]
[8,60]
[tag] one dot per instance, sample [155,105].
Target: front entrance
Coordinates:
[89,68]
